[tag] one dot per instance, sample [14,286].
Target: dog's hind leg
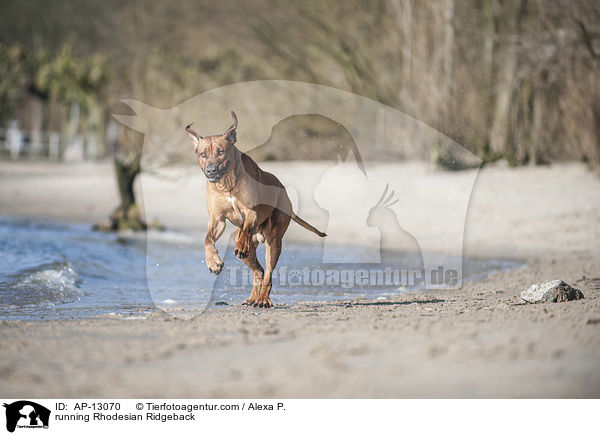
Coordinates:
[273,231]
[258,273]
[272,251]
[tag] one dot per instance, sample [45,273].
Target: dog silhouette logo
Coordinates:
[374,177]
[26,414]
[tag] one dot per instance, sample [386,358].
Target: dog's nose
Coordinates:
[212,170]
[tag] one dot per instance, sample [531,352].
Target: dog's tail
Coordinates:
[306,225]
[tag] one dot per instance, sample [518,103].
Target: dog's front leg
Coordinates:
[244,240]
[216,226]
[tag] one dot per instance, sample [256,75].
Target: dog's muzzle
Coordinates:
[214,172]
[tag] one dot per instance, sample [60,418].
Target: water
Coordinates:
[53,270]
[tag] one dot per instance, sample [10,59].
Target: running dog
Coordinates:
[253,200]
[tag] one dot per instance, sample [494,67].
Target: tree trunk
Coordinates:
[501,125]
[448,14]
[127,215]
[74,148]
[536,129]
[595,157]
[126,174]
[489,34]
[504,93]
[37,114]
[402,10]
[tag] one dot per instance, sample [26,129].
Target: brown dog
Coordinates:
[253,200]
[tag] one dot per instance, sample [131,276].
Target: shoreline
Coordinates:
[293,283]
[423,344]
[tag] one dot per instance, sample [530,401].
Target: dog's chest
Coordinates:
[234,213]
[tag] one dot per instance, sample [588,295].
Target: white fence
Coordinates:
[16,143]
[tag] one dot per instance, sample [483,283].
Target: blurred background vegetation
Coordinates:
[512,79]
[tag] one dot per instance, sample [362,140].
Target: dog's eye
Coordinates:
[203,154]
[220,152]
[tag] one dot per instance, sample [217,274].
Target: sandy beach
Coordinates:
[477,341]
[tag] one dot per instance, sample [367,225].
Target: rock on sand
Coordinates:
[551,291]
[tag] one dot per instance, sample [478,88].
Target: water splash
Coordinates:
[46,286]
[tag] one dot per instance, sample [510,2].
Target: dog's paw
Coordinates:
[263,303]
[242,246]
[242,250]
[249,302]
[215,265]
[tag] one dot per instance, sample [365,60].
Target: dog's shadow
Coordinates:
[389,303]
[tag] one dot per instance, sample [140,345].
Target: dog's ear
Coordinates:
[195,136]
[230,134]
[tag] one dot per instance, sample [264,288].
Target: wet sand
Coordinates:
[478,341]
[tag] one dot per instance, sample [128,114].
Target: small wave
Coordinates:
[46,286]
